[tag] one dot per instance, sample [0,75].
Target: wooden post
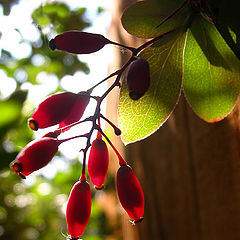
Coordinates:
[189,171]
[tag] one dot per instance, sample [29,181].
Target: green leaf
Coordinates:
[138,119]
[142,18]
[226,14]
[211,72]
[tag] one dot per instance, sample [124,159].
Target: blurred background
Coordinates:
[29,71]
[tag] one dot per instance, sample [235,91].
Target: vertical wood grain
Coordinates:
[189,171]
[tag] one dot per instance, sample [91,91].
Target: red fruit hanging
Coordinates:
[138,78]
[35,155]
[77,110]
[78,208]
[52,110]
[98,162]
[130,193]
[78,42]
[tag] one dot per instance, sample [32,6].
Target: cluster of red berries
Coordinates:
[66,110]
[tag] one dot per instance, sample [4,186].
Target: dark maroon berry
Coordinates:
[78,42]
[138,78]
[53,110]
[98,163]
[130,193]
[35,155]
[78,208]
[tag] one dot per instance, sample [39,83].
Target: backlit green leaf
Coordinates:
[211,72]
[142,19]
[138,119]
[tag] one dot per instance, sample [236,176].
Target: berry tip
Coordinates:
[16,166]
[117,131]
[52,44]
[134,222]
[99,187]
[134,95]
[33,124]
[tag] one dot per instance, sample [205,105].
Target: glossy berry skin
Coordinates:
[77,42]
[76,111]
[98,163]
[52,110]
[78,208]
[130,193]
[35,155]
[138,78]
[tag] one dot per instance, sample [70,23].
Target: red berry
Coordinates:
[76,111]
[78,208]
[53,110]
[35,155]
[98,163]
[138,78]
[130,193]
[78,42]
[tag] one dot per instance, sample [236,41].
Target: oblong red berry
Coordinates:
[76,111]
[52,110]
[98,163]
[78,42]
[35,155]
[138,78]
[130,193]
[78,208]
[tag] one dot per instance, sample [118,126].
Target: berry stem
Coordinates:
[146,44]
[116,129]
[111,75]
[117,81]
[120,158]
[83,175]
[124,46]
[175,11]
[61,130]
[99,135]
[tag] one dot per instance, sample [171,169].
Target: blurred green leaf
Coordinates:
[60,16]
[100,10]
[211,72]
[138,119]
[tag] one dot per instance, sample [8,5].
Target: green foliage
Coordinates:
[11,117]
[211,72]
[142,18]
[204,63]
[227,18]
[140,118]
[60,17]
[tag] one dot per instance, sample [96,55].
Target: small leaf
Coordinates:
[142,18]
[211,72]
[138,119]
